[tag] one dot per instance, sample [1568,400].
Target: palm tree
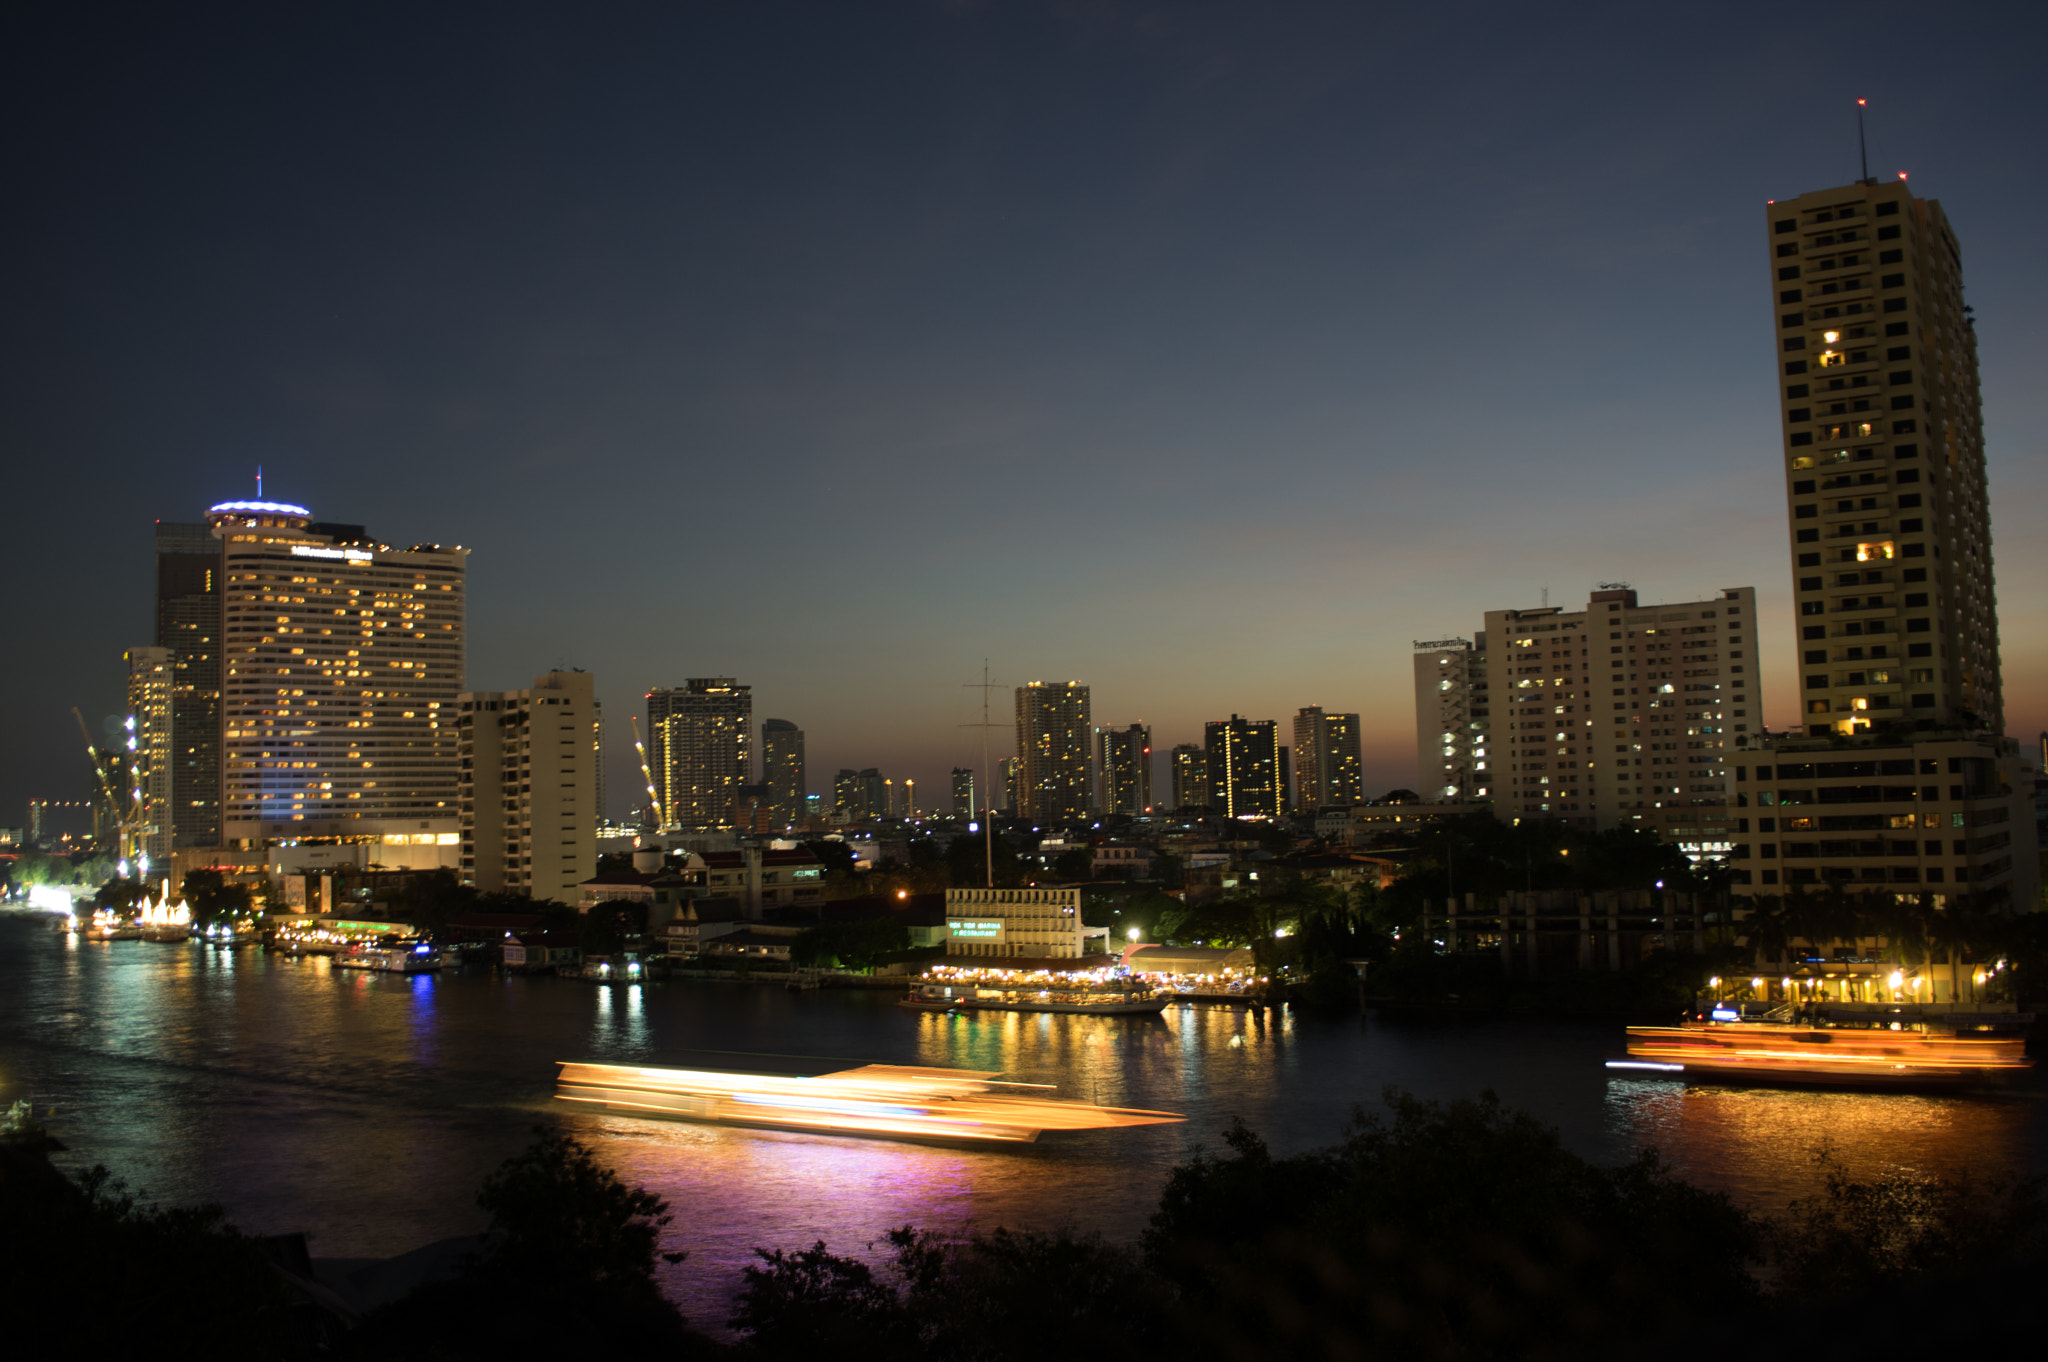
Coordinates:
[1765,928]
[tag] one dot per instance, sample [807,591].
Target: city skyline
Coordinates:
[1155,297]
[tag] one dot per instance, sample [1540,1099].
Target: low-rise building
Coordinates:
[1018,923]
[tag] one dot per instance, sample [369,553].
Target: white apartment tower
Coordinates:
[529,787]
[1452,721]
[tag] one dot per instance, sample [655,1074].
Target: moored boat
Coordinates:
[968,997]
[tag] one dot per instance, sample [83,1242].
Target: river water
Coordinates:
[366,1109]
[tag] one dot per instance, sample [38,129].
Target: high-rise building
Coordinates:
[597,760]
[1190,770]
[1328,771]
[963,792]
[1624,713]
[782,768]
[1452,720]
[341,658]
[846,792]
[188,625]
[1010,771]
[1052,752]
[701,748]
[1890,531]
[152,687]
[1243,757]
[1124,756]
[529,787]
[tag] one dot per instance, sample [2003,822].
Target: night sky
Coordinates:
[1209,354]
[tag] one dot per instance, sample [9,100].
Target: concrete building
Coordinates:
[529,787]
[189,580]
[152,691]
[341,659]
[1243,759]
[1452,720]
[700,746]
[1189,767]
[1016,923]
[1052,752]
[1623,713]
[597,761]
[782,768]
[1328,770]
[1123,756]
[1890,540]
[1011,773]
[963,792]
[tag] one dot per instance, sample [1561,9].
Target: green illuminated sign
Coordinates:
[959,927]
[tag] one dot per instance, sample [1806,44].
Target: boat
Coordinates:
[1786,1052]
[1103,1002]
[419,959]
[886,1101]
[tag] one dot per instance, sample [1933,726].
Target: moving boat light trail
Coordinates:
[887,1100]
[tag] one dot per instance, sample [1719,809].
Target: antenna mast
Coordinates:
[988,822]
[1862,148]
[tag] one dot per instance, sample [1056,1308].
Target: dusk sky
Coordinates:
[1208,354]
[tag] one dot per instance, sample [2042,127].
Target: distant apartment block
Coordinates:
[1328,769]
[152,691]
[1052,752]
[1124,758]
[1189,766]
[782,768]
[529,787]
[701,750]
[1243,758]
[1452,720]
[963,792]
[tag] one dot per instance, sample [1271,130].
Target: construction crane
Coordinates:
[660,819]
[126,812]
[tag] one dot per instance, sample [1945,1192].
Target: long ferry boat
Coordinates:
[1762,1052]
[413,959]
[969,997]
[887,1101]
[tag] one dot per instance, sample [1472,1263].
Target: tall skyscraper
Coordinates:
[782,768]
[1452,720]
[1124,756]
[529,787]
[963,792]
[188,625]
[1190,770]
[1328,771]
[1890,531]
[152,686]
[1244,767]
[1052,752]
[700,744]
[341,658]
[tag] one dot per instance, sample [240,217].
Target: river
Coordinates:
[366,1109]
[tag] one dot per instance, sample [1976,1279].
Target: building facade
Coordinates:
[1890,540]
[1624,713]
[701,749]
[1054,784]
[1027,923]
[782,767]
[1328,770]
[963,792]
[1189,770]
[1124,758]
[1453,720]
[529,787]
[1243,760]
[188,624]
[341,660]
[152,695]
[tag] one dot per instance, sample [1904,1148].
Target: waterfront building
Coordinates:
[1019,924]
[1124,757]
[1189,767]
[700,748]
[1243,757]
[188,625]
[152,690]
[1052,752]
[1890,540]
[1624,714]
[782,767]
[1452,720]
[963,792]
[341,658]
[1328,770]
[529,787]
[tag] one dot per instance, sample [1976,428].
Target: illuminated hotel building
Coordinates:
[528,792]
[1327,767]
[1053,781]
[1903,779]
[342,658]
[1124,757]
[1452,721]
[152,684]
[1243,758]
[699,739]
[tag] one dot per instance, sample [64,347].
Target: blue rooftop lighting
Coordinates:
[257,508]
